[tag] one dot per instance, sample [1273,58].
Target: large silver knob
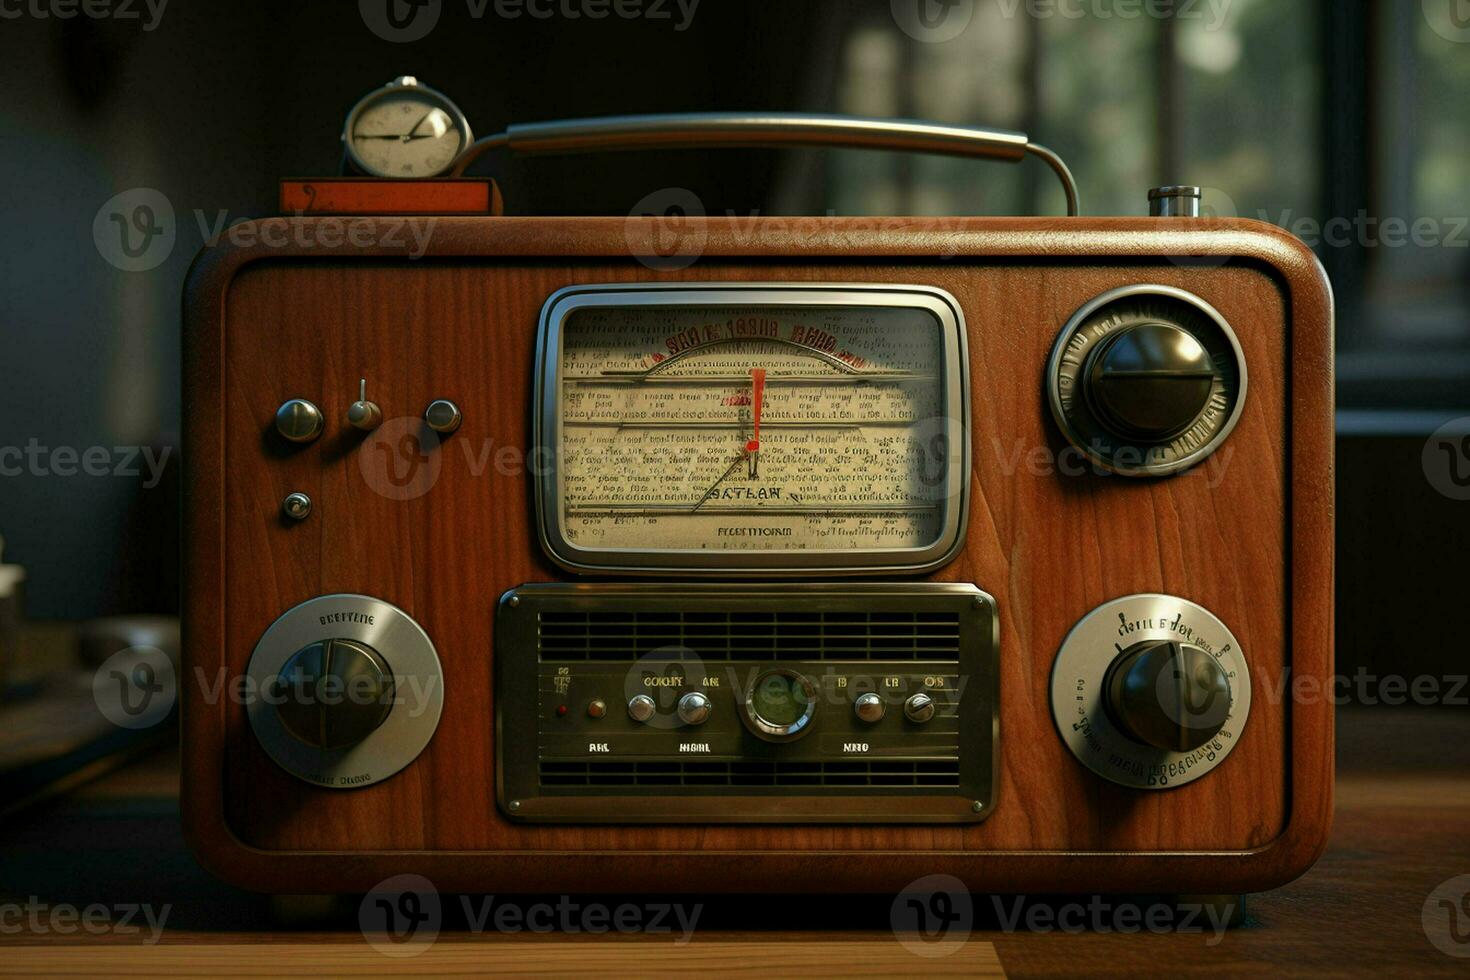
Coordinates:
[694,708]
[298,420]
[334,693]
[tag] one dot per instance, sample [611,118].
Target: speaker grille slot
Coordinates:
[937,775]
[628,635]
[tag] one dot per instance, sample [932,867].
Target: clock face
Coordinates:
[411,132]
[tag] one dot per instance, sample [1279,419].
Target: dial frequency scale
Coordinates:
[982,546]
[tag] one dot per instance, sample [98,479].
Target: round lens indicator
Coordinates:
[779,704]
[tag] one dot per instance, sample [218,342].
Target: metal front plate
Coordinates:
[786,563]
[535,736]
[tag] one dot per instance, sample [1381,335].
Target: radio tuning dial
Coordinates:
[1149,381]
[1167,694]
[334,693]
[299,420]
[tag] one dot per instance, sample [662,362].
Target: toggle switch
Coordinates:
[363,414]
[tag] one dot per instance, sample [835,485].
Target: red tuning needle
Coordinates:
[757,395]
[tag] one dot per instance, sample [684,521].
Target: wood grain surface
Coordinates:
[1247,535]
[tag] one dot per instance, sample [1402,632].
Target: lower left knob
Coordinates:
[348,690]
[334,693]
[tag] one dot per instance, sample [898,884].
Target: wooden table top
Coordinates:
[1402,829]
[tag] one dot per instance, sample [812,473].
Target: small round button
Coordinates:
[596,708]
[299,420]
[694,708]
[869,707]
[918,708]
[641,707]
[443,416]
[297,506]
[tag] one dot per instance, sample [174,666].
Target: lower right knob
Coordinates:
[1167,694]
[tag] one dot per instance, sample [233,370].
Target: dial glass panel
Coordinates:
[779,428]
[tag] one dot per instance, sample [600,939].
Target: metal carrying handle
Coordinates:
[703,129]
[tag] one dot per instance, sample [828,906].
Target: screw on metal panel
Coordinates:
[977,806]
[514,601]
[979,603]
[514,804]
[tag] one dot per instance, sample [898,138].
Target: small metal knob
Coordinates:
[299,420]
[694,708]
[869,707]
[1174,201]
[443,416]
[297,506]
[919,708]
[641,707]
[596,708]
[363,414]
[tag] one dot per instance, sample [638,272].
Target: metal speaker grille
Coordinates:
[943,774]
[628,635]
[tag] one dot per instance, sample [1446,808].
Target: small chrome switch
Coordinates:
[363,414]
[297,506]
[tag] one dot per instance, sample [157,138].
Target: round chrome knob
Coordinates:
[1170,695]
[694,708]
[443,416]
[868,707]
[299,420]
[641,707]
[334,693]
[1149,381]
[919,708]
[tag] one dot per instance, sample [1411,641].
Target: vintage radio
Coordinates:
[818,555]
